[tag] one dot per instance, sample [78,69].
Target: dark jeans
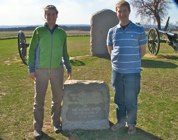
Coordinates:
[127,88]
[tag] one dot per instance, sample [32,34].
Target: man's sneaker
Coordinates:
[132,129]
[38,136]
[58,130]
[117,126]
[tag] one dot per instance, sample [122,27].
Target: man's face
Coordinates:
[51,16]
[123,13]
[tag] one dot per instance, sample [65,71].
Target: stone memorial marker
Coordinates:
[85,105]
[101,22]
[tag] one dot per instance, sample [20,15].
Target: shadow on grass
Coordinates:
[109,135]
[157,64]
[77,63]
[172,57]
[46,137]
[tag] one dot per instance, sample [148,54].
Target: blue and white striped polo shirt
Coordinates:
[126,56]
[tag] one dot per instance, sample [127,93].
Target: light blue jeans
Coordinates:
[127,88]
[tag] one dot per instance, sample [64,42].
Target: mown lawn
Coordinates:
[158,100]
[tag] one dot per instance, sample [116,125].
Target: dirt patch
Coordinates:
[12,60]
[47,127]
[150,55]
[2,93]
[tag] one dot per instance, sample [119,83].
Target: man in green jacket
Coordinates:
[46,57]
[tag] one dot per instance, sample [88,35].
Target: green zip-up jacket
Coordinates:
[48,49]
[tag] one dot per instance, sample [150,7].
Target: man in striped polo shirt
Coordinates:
[126,45]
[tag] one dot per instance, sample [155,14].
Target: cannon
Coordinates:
[22,47]
[156,36]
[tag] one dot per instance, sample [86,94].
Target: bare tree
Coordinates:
[155,10]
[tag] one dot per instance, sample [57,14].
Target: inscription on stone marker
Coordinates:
[85,113]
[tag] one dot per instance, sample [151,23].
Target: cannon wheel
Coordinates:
[153,41]
[22,47]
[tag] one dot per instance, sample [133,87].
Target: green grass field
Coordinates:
[158,99]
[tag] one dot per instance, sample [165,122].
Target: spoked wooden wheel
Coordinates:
[153,41]
[22,47]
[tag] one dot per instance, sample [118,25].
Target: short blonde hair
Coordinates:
[123,3]
[50,7]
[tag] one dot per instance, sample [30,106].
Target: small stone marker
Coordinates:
[85,105]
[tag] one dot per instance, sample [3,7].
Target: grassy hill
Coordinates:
[158,99]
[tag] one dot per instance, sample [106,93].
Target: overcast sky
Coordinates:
[30,12]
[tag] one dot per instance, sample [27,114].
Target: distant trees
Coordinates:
[177,23]
[155,10]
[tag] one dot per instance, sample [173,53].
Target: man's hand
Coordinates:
[69,76]
[32,76]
